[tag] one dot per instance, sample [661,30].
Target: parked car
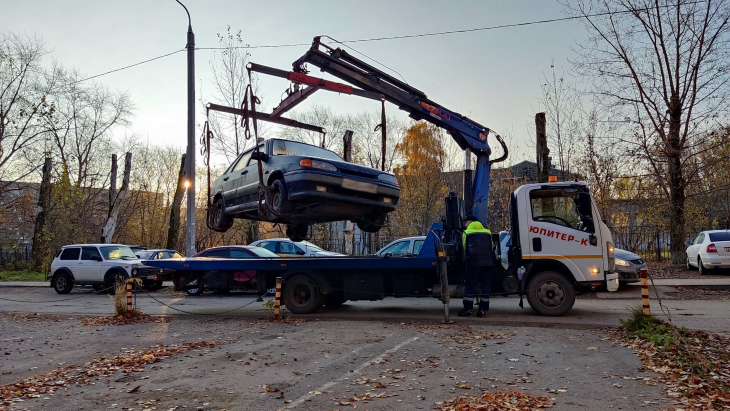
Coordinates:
[221,282]
[410,246]
[152,277]
[708,251]
[137,248]
[308,184]
[285,247]
[628,266]
[99,265]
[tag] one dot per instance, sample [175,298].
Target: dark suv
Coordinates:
[306,184]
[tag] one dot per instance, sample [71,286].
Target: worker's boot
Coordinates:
[468,305]
[483,308]
[464,313]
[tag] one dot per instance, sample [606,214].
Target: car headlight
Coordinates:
[388,178]
[622,263]
[322,165]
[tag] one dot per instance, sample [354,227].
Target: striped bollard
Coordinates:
[129,295]
[644,274]
[278,299]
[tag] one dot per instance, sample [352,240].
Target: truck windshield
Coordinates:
[293,148]
[558,206]
[118,253]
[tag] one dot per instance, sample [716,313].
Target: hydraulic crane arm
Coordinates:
[468,134]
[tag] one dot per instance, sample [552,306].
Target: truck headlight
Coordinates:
[621,263]
[388,178]
[322,165]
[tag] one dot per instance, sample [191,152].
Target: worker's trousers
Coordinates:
[474,276]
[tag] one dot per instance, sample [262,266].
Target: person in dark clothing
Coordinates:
[477,242]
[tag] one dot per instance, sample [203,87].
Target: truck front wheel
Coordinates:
[302,295]
[550,294]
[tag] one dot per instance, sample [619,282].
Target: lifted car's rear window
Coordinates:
[292,148]
[720,236]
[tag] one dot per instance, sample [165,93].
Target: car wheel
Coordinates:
[297,232]
[701,267]
[197,290]
[219,221]
[112,281]
[62,283]
[301,295]
[689,266]
[151,285]
[277,200]
[372,223]
[550,294]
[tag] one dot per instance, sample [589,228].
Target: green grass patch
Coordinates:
[22,276]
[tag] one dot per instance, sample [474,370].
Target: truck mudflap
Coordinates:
[612,281]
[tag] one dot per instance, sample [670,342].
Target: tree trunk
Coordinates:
[112,184]
[107,233]
[676,185]
[173,229]
[44,203]
[543,161]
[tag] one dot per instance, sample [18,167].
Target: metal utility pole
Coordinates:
[543,159]
[190,154]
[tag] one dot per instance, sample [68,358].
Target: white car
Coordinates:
[285,247]
[100,265]
[709,250]
[403,247]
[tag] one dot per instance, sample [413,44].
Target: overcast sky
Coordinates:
[492,76]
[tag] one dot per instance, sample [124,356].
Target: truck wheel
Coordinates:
[297,232]
[277,200]
[219,221]
[334,299]
[372,223]
[301,295]
[550,293]
[62,283]
[197,290]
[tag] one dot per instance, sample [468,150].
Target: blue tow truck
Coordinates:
[560,246]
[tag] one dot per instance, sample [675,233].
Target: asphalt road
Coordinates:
[590,310]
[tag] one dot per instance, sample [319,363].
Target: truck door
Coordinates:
[561,227]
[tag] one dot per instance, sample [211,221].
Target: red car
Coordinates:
[223,282]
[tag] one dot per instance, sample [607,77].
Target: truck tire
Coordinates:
[219,221]
[195,291]
[62,283]
[550,294]
[302,295]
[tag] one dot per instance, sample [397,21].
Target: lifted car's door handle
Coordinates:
[244,172]
[225,179]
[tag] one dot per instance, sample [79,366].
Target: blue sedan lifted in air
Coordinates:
[304,184]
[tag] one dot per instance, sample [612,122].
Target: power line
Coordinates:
[123,68]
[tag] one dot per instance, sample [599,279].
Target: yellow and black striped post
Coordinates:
[644,274]
[129,295]
[277,304]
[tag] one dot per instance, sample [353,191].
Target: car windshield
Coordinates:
[292,148]
[309,246]
[720,236]
[116,252]
[262,252]
[145,255]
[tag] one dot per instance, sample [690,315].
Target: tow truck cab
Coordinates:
[557,229]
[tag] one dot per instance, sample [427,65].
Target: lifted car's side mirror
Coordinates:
[259,155]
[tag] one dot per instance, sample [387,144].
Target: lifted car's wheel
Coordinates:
[277,200]
[62,283]
[701,267]
[301,295]
[550,293]
[218,218]
[197,289]
[372,223]
[112,280]
[297,232]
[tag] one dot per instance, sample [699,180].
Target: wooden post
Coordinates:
[129,295]
[643,274]
[277,301]
[173,229]
[543,159]
[349,231]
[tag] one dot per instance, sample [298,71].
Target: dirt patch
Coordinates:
[134,317]
[699,293]
[496,401]
[30,318]
[665,269]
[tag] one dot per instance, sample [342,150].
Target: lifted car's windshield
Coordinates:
[292,148]
[117,253]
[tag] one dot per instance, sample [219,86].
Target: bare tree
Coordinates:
[107,233]
[664,67]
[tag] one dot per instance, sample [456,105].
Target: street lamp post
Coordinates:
[190,157]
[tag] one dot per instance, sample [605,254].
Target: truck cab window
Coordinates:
[561,206]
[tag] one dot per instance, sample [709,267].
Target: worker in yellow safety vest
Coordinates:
[479,259]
